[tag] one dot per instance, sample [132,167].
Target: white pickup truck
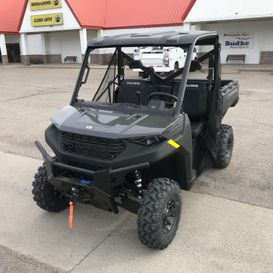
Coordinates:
[162,59]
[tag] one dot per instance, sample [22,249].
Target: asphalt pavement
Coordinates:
[227,219]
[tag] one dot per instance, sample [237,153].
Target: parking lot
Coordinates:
[227,219]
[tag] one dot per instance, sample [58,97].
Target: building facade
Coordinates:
[57,31]
[245,28]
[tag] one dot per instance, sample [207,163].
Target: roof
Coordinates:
[222,10]
[171,38]
[11,15]
[108,14]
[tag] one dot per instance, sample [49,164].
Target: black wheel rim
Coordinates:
[169,216]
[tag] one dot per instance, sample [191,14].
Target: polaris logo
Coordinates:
[133,83]
[192,85]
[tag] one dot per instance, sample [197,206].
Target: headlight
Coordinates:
[148,141]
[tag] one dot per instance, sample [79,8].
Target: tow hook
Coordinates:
[74,194]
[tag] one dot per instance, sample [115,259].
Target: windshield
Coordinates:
[144,78]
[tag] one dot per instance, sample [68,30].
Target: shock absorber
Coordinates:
[138,183]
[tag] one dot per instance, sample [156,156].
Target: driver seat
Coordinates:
[127,91]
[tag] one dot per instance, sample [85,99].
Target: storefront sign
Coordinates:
[46,20]
[237,40]
[45,4]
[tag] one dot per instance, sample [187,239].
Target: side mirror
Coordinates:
[136,64]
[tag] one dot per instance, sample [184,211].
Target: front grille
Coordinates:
[95,147]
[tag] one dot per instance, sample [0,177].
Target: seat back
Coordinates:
[127,92]
[195,102]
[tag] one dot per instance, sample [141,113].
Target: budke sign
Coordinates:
[237,40]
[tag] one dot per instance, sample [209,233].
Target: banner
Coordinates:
[45,4]
[52,19]
[237,40]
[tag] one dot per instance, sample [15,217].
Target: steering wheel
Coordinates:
[163,94]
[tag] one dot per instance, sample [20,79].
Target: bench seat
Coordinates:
[236,57]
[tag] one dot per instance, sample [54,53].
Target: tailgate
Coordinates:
[229,94]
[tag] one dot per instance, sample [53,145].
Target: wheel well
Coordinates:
[173,167]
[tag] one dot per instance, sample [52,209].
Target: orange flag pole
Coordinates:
[71,211]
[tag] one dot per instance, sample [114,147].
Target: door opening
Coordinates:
[14,53]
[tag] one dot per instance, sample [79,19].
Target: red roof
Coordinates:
[11,15]
[128,13]
[89,13]
[106,14]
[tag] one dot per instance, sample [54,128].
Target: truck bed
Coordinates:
[229,92]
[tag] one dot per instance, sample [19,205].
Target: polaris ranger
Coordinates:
[136,143]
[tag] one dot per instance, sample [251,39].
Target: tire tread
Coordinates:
[43,193]
[149,214]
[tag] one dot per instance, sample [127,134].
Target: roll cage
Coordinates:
[187,41]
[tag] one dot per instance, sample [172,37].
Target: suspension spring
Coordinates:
[138,183]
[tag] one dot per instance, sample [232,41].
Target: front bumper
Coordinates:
[102,182]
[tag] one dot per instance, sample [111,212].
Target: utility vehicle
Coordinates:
[161,59]
[135,143]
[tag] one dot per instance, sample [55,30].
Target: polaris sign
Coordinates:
[237,40]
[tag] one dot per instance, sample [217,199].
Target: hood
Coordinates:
[109,123]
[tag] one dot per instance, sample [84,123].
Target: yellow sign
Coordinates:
[53,19]
[45,4]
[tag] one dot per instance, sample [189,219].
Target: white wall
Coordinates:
[91,34]
[112,32]
[35,44]
[65,43]
[3,47]
[69,20]
[260,31]
[220,10]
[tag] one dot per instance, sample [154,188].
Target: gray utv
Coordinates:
[137,142]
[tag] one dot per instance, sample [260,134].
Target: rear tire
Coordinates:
[45,195]
[159,213]
[225,146]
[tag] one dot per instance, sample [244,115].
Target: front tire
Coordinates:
[159,213]
[45,195]
[224,146]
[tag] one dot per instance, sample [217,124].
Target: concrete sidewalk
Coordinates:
[215,235]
